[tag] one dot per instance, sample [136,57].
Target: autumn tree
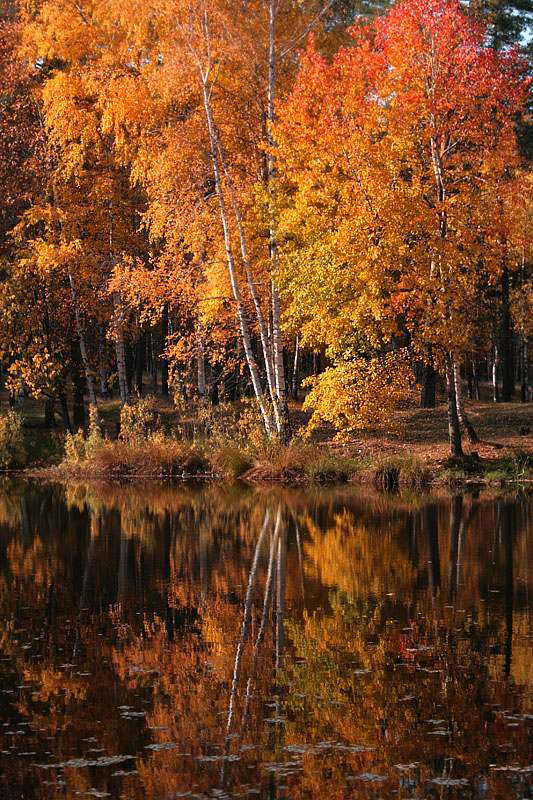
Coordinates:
[397,153]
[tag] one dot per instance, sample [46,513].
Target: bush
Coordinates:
[138,422]
[12,448]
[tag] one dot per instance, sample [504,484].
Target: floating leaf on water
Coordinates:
[369,777]
[218,758]
[103,761]
[514,769]
[124,774]
[166,746]
[449,781]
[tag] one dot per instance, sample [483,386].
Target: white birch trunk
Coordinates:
[277,339]
[241,313]
[263,332]
[461,413]
[120,350]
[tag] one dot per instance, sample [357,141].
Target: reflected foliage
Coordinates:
[162,642]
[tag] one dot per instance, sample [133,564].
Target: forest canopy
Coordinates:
[238,194]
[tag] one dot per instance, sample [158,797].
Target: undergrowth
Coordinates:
[228,442]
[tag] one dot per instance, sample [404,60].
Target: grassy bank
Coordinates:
[157,440]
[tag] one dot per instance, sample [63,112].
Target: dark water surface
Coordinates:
[162,642]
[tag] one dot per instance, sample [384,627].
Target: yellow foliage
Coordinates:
[359,394]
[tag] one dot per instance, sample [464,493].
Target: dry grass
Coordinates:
[410,459]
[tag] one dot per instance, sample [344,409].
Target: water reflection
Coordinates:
[163,642]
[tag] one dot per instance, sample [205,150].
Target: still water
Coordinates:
[162,642]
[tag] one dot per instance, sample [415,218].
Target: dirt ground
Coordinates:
[502,429]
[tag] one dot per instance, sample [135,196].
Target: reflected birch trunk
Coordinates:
[430,522]
[455,523]
[246,622]
[257,647]
[506,531]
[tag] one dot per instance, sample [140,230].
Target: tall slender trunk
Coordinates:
[164,362]
[429,385]
[495,364]
[246,622]
[258,642]
[64,411]
[506,341]
[295,377]
[200,355]
[140,350]
[78,383]
[456,513]
[524,370]
[281,584]
[284,423]
[104,389]
[120,349]
[461,413]
[277,339]
[454,430]
[83,349]
[430,528]
[241,312]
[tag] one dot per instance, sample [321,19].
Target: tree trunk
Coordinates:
[429,384]
[140,349]
[461,413]
[164,362]
[295,376]
[506,341]
[64,411]
[454,430]
[104,388]
[241,312]
[83,349]
[495,363]
[129,366]
[78,384]
[202,385]
[524,367]
[284,426]
[456,513]
[120,349]
[49,417]
[153,361]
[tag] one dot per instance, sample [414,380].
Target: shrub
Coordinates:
[12,448]
[138,422]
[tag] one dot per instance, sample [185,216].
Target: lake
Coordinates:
[163,641]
